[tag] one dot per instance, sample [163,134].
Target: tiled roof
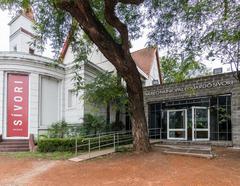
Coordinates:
[144,58]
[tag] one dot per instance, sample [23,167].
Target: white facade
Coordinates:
[21,33]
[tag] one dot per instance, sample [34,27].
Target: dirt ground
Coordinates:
[125,169]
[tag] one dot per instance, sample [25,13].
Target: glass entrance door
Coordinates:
[200,123]
[177,124]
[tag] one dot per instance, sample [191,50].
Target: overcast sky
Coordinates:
[5,18]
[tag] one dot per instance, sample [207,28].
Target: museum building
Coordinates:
[201,110]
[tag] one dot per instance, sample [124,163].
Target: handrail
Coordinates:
[113,139]
[116,139]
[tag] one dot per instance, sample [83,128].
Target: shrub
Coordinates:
[117,126]
[59,130]
[68,144]
[93,124]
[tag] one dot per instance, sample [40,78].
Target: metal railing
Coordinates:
[113,140]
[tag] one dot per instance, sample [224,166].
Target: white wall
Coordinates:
[23,22]
[75,113]
[20,39]
[153,74]
[97,58]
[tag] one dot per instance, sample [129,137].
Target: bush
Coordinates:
[117,126]
[58,130]
[56,144]
[68,144]
[93,124]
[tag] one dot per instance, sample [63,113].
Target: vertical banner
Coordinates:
[17,105]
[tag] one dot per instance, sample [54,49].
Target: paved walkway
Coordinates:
[92,154]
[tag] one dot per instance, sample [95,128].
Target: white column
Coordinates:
[33,103]
[2,83]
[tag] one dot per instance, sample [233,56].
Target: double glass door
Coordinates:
[178,124]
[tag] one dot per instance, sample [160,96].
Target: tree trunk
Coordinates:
[139,125]
[118,54]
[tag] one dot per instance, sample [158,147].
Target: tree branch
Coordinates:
[114,21]
[81,10]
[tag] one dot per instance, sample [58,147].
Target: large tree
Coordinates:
[110,25]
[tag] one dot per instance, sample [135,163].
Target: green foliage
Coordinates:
[195,28]
[175,70]
[68,144]
[93,124]
[106,88]
[58,130]
[57,144]
[117,126]
[62,129]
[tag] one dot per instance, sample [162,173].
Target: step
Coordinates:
[178,142]
[13,145]
[209,156]
[14,150]
[204,151]
[186,147]
[14,141]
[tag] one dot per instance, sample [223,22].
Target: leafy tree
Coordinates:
[176,71]
[106,90]
[207,29]
[110,25]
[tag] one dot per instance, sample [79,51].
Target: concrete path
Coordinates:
[93,154]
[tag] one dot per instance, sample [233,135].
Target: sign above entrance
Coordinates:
[17,105]
[185,88]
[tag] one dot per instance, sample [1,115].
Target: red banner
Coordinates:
[17,105]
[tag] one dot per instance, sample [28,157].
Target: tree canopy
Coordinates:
[175,70]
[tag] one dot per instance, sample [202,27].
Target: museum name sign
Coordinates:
[189,88]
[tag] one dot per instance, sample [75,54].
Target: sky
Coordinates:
[5,18]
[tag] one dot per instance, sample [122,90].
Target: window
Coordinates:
[72,98]
[15,48]
[31,51]
[49,101]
